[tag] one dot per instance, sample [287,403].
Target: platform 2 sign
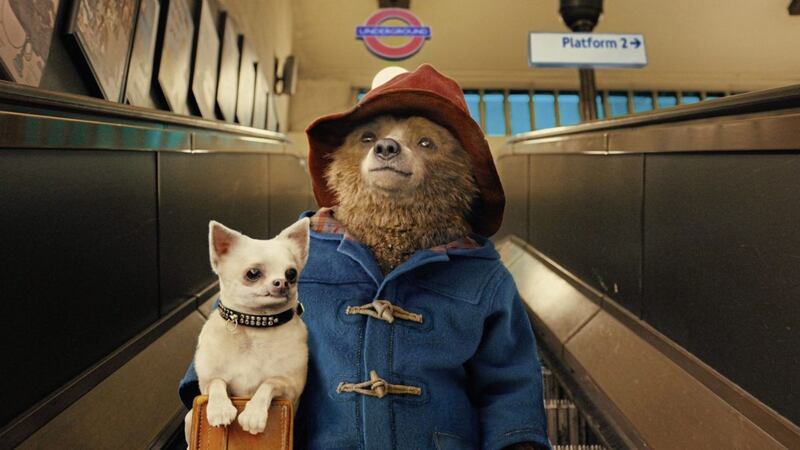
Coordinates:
[586,50]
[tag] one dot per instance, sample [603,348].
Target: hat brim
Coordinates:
[327,133]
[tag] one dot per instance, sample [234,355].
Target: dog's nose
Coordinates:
[279,287]
[387,149]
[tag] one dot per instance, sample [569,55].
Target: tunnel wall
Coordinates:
[265,24]
[105,230]
[690,226]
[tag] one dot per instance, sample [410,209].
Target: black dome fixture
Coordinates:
[394,4]
[581,15]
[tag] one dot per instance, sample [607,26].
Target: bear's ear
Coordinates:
[220,241]
[297,235]
[386,74]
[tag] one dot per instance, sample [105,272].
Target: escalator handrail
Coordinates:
[16,94]
[751,102]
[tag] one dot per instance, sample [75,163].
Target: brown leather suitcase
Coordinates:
[277,435]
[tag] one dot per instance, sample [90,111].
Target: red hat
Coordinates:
[423,92]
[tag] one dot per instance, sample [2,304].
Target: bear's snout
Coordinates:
[387,149]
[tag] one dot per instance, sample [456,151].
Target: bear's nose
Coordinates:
[387,149]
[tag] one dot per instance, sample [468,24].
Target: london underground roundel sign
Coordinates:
[373,31]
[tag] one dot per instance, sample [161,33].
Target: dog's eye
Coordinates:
[425,142]
[291,275]
[253,274]
[368,137]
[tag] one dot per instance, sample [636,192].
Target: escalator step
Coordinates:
[567,426]
[578,447]
[564,423]
[573,428]
[551,411]
[551,390]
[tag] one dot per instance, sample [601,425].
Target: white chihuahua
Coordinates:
[254,345]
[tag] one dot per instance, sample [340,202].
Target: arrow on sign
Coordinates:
[636,43]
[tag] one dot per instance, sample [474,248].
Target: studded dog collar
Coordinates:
[235,318]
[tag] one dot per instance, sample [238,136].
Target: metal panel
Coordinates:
[129,408]
[585,213]
[206,307]
[25,130]
[216,142]
[194,189]
[766,131]
[721,265]
[741,133]
[289,191]
[513,171]
[45,410]
[580,362]
[590,144]
[751,102]
[555,302]
[79,243]
[20,130]
[509,252]
[83,227]
[16,96]
[668,407]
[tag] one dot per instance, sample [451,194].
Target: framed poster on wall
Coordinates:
[26,32]
[140,69]
[103,30]
[175,68]
[228,86]
[206,60]
[260,99]
[247,85]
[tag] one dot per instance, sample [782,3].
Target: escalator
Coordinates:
[655,331]
[115,200]
[653,255]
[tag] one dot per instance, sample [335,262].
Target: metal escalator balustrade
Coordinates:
[115,202]
[653,253]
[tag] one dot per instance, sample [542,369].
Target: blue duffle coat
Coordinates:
[473,356]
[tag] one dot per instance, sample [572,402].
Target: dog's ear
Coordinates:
[220,241]
[297,235]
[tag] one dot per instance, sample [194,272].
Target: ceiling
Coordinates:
[691,44]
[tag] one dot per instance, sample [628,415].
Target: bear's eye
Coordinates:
[368,137]
[425,142]
[291,275]
[253,274]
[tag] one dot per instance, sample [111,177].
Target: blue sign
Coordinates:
[586,50]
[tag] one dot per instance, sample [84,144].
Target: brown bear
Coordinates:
[402,184]
[417,335]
